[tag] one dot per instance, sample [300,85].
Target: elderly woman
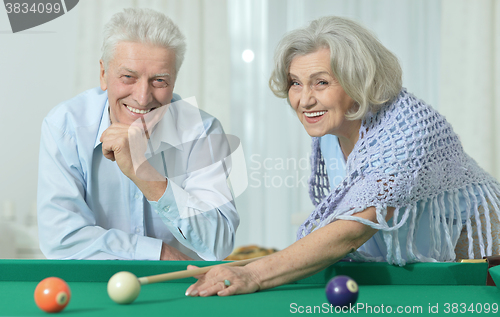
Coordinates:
[407,193]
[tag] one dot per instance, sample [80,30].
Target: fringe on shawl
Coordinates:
[319,183]
[446,223]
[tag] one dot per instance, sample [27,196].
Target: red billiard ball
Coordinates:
[342,291]
[52,294]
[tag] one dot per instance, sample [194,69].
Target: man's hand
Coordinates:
[127,146]
[169,253]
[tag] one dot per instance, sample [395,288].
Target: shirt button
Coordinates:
[137,230]
[167,208]
[137,196]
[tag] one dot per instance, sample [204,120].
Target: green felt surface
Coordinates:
[495,274]
[363,273]
[440,287]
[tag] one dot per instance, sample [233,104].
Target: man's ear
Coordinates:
[103,76]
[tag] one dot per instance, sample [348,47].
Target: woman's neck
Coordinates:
[348,139]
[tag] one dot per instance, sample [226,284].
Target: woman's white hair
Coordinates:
[369,73]
[143,26]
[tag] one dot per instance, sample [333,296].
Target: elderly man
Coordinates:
[99,195]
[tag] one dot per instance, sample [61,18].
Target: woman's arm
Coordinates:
[305,257]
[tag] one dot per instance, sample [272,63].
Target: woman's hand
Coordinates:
[307,256]
[242,281]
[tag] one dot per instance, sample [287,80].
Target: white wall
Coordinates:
[37,72]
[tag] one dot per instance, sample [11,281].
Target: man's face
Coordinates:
[139,79]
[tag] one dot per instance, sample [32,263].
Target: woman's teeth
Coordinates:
[138,110]
[314,114]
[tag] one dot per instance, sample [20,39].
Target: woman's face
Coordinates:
[319,100]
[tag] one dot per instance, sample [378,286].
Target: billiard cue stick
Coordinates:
[189,273]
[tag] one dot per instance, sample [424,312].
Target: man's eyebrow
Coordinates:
[162,75]
[128,70]
[136,73]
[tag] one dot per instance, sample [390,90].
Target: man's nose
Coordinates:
[143,93]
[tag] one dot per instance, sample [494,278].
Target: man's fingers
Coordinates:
[110,156]
[108,153]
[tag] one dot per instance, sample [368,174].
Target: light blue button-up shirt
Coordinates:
[87,208]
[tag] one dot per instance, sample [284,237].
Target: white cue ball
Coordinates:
[123,287]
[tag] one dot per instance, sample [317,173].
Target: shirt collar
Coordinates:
[104,124]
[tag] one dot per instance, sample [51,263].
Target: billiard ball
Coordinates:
[123,287]
[342,291]
[52,294]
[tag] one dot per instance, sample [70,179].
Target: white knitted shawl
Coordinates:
[407,157]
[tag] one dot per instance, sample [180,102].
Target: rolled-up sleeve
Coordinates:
[196,222]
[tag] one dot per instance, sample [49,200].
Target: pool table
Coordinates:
[418,289]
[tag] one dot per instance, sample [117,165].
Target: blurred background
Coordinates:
[449,51]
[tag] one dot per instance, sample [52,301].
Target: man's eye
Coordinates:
[160,83]
[127,76]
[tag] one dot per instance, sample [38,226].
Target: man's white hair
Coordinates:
[143,26]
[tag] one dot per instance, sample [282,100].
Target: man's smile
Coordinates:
[139,111]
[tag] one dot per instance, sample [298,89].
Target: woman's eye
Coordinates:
[294,85]
[321,84]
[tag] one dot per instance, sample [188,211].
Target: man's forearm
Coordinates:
[151,183]
[169,253]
